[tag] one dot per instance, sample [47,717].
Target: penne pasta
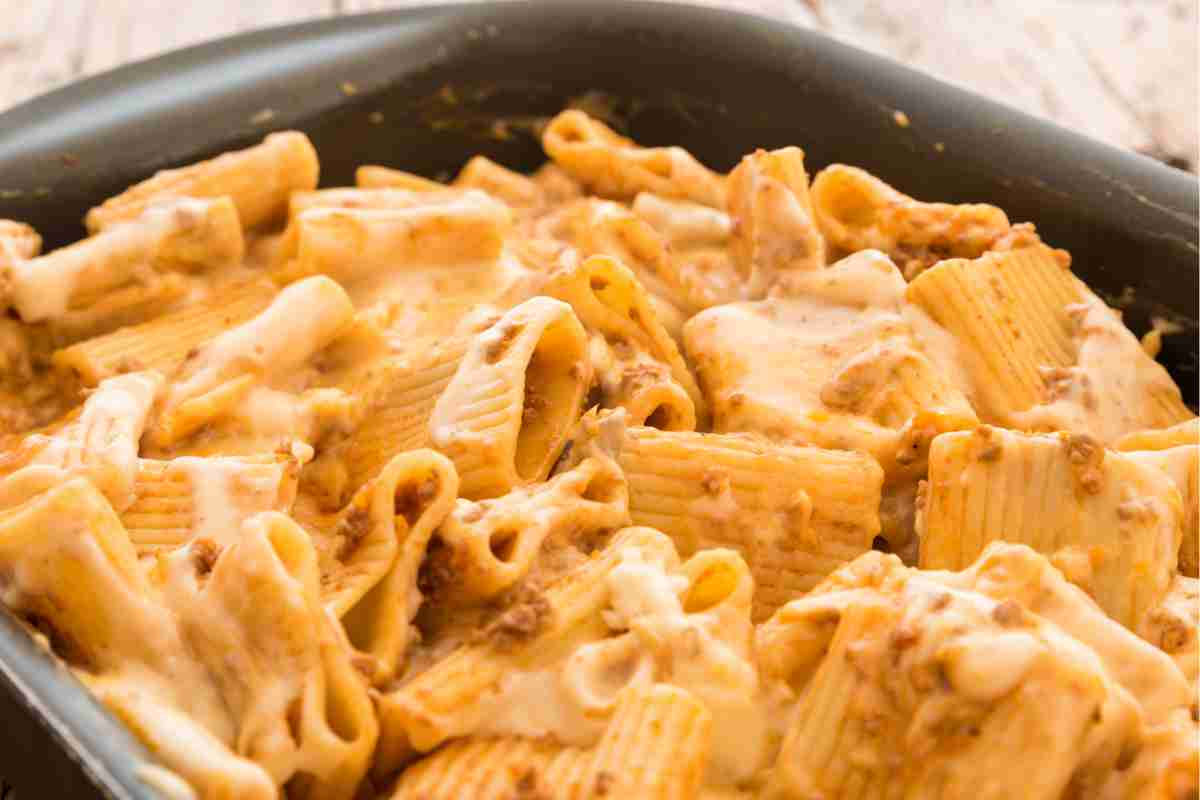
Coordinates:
[258,179]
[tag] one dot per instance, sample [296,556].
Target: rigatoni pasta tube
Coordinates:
[381,199]
[937,690]
[219,374]
[491,546]
[653,748]
[397,401]
[1110,524]
[857,211]
[443,702]
[370,176]
[100,441]
[1176,451]
[633,355]
[284,675]
[773,230]
[18,242]
[616,167]
[794,513]
[183,235]
[187,498]
[513,188]
[95,606]
[1182,465]
[258,179]
[350,244]
[1042,351]
[505,416]
[163,343]
[386,530]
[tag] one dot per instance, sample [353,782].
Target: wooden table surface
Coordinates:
[1124,71]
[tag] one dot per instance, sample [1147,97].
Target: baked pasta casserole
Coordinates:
[624,479]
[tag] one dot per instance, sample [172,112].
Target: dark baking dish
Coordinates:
[426,88]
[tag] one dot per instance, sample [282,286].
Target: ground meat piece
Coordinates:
[204,553]
[351,530]
[411,498]
[521,621]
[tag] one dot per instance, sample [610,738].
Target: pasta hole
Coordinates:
[413,497]
[572,134]
[853,204]
[295,718]
[503,544]
[662,417]
[339,714]
[715,583]
[603,488]
[551,383]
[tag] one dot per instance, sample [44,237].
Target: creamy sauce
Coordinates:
[1110,390]
[42,288]
[103,442]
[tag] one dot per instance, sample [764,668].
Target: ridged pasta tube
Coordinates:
[654,748]
[613,166]
[506,414]
[636,363]
[1110,524]
[259,180]
[162,344]
[794,513]
[218,375]
[184,235]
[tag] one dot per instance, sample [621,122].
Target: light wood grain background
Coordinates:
[1124,71]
